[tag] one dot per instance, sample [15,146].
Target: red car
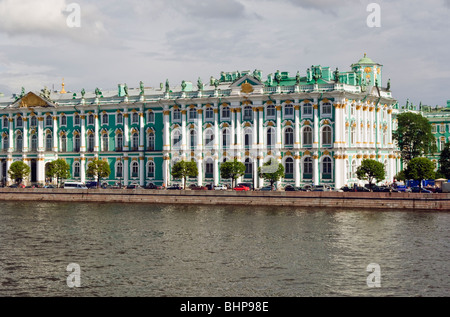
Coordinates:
[242,188]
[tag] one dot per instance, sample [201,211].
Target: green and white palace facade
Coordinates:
[320,126]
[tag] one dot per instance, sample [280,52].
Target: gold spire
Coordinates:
[63,91]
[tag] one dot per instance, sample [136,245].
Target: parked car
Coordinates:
[417,190]
[74,185]
[151,186]
[220,187]
[249,185]
[199,188]
[49,186]
[307,188]
[133,186]
[242,188]
[175,187]
[321,188]
[290,188]
[267,188]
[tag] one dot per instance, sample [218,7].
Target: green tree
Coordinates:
[98,169]
[18,171]
[232,170]
[59,169]
[271,172]
[414,136]
[401,176]
[183,170]
[371,170]
[419,169]
[444,161]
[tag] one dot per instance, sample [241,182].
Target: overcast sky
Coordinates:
[155,40]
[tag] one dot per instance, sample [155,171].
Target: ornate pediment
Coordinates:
[31,100]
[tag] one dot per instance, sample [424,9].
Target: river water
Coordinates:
[196,251]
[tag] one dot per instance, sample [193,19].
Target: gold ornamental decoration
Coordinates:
[247,88]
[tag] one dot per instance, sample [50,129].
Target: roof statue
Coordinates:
[141,87]
[45,93]
[270,79]
[257,74]
[161,86]
[98,92]
[200,84]
[83,92]
[167,86]
[216,84]
[22,94]
[336,75]
[297,78]
[223,76]
[183,85]
[125,89]
[211,81]
[389,85]
[278,77]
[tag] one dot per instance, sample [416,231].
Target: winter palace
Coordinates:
[319,125]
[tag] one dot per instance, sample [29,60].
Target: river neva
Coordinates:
[152,250]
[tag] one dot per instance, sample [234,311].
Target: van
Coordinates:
[74,185]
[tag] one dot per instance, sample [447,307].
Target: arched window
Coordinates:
[353,169]
[326,109]
[226,113]
[33,121]
[119,140]
[209,168]
[34,143]
[77,120]
[135,142]
[385,137]
[105,119]
[151,117]
[348,170]
[327,168]
[271,111]
[63,120]
[346,135]
[135,169]
[289,110]
[5,143]
[19,143]
[48,142]
[289,137]
[119,170]
[289,167]
[63,143]
[353,135]
[151,142]
[135,118]
[91,143]
[76,170]
[209,114]
[105,142]
[307,136]
[151,170]
[192,114]
[5,122]
[193,139]
[226,140]
[176,140]
[91,119]
[308,166]
[119,118]
[271,138]
[327,138]
[248,168]
[307,109]
[19,122]
[48,121]
[248,113]
[209,139]
[176,115]
[248,136]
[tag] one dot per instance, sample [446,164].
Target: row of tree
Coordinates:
[59,170]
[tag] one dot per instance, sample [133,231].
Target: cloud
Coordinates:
[49,18]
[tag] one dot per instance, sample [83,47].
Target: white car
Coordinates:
[220,187]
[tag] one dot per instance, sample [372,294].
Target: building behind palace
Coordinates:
[320,126]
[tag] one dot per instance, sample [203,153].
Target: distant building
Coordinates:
[320,126]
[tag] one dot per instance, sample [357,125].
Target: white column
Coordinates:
[316,124]
[216,170]
[260,164]
[8,166]
[83,168]
[255,172]
[339,169]
[297,169]
[142,171]
[233,130]
[11,134]
[216,130]
[25,135]
[278,141]
[126,168]
[338,125]
[255,131]
[200,169]
[166,171]
[199,129]
[40,133]
[261,136]
[141,131]
[184,139]
[166,135]
[297,126]
[55,133]
[239,145]
[97,133]
[316,171]
[126,132]
[83,139]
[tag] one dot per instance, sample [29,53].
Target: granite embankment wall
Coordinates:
[402,201]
